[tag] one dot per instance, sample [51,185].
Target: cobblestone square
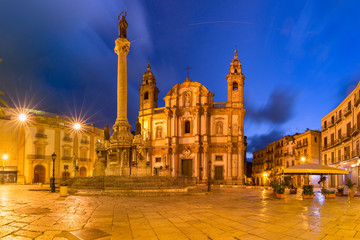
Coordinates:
[226,213]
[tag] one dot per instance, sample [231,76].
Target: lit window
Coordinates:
[157,159]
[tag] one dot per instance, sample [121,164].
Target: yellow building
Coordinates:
[340,137]
[192,134]
[288,151]
[27,141]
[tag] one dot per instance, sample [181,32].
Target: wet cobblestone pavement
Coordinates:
[227,213]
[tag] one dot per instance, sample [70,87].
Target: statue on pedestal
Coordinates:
[106,133]
[122,25]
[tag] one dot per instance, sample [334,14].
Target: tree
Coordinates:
[2,104]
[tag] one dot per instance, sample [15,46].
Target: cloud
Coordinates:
[258,142]
[278,110]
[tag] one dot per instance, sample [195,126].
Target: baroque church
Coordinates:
[191,136]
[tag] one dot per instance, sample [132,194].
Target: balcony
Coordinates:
[325,147]
[345,137]
[84,141]
[354,130]
[66,158]
[277,155]
[347,111]
[323,128]
[38,157]
[338,119]
[41,135]
[345,157]
[300,145]
[331,124]
[84,159]
[67,139]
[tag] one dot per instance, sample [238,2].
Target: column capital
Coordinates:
[122,46]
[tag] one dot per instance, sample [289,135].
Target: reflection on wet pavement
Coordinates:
[227,213]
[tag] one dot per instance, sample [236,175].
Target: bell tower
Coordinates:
[235,83]
[148,90]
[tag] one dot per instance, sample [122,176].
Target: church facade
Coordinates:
[192,135]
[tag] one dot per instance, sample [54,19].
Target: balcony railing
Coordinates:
[347,111]
[346,157]
[338,119]
[300,145]
[355,130]
[323,127]
[331,124]
[40,135]
[66,158]
[67,139]
[277,155]
[84,141]
[345,137]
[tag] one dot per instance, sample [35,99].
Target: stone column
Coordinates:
[228,164]
[21,157]
[241,164]
[122,47]
[205,163]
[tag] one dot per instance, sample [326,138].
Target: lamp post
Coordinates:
[52,180]
[209,176]
[4,157]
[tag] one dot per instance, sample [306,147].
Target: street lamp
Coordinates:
[4,157]
[22,117]
[303,159]
[77,126]
[52,180]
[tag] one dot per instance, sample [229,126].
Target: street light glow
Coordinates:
[77,126]
[5,156]
[303,159]
[22,117]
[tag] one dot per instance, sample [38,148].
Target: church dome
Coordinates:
[148,76]
[235,65]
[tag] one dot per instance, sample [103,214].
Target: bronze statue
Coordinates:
[137,127]
[122,25]
[106,133]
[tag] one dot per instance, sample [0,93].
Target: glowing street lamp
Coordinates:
[77,126]
[303,159]
[5,157]
[22,117]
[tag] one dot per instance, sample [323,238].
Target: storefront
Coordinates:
[8,174]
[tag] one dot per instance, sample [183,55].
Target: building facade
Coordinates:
[192,135]
[29,143]
[340,138]
[288,151]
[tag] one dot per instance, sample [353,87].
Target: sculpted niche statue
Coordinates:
[122,25]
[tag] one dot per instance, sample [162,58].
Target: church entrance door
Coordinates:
[219,173]
[186,167]
[39,174]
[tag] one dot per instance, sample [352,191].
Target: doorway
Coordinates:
[83,172]
[219,173]
[186,167]
[39,174]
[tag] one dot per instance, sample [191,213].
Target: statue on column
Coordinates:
[137,127]
[122,25]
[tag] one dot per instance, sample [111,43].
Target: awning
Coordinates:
[313,169]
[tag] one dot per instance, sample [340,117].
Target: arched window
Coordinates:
[187,126]
[146,96]
[235,86]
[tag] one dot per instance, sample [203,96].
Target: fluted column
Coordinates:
[122,47]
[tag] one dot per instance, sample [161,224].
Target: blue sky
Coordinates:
[300,58]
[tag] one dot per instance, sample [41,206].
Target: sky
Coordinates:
[300,58]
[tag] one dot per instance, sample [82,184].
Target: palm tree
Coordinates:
[2,101]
